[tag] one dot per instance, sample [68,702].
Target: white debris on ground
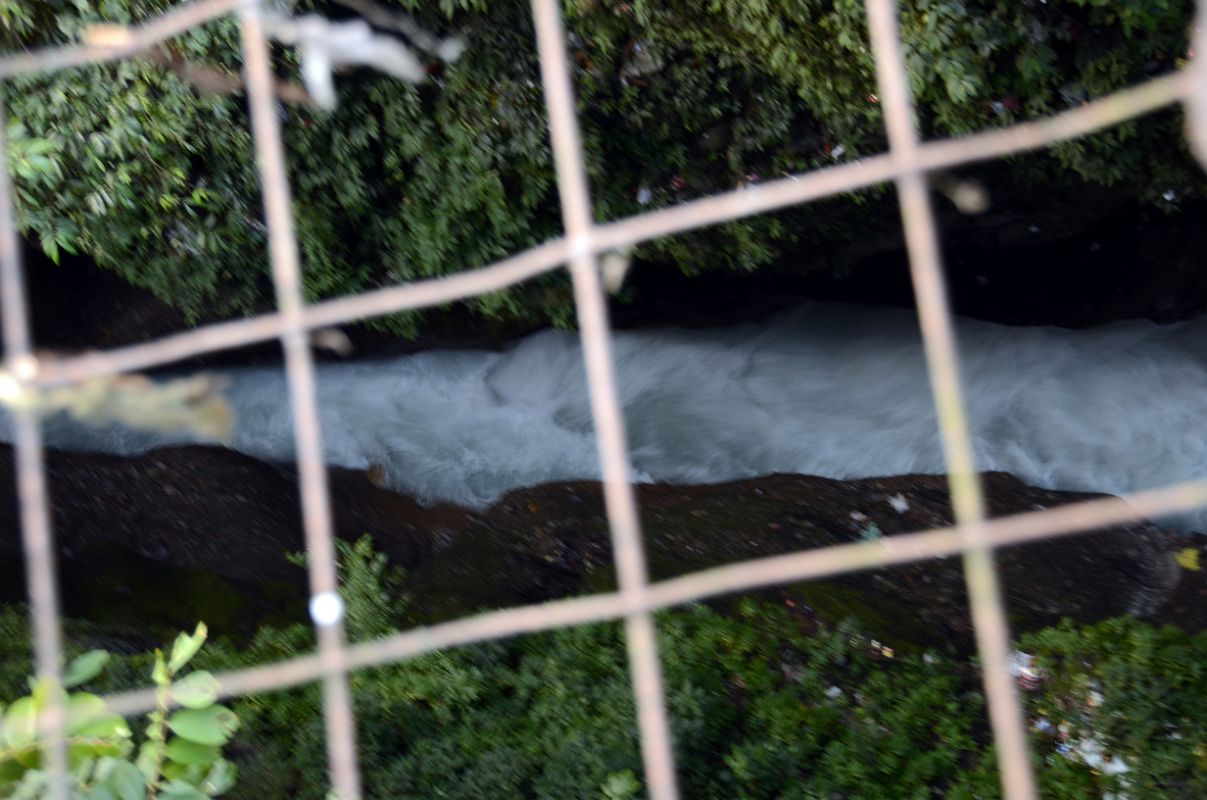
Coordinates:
[1022,666]
[1083,744]
[899,503]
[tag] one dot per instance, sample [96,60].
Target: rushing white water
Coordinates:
[832,390]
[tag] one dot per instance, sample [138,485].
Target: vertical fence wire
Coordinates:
[326,605]
[28,454]
[619,500]
[1196,102]
[907,163]
[942,360]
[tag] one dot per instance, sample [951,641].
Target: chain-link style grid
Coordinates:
[907,163]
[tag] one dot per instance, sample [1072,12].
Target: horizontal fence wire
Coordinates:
[701,585]
[906,163]
[754,199]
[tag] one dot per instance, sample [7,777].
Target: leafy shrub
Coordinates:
[1128,691]
[678,98]
[762,706]
[180,758]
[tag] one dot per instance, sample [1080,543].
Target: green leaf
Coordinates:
[10,771]
[79,755]
[20,722]
[182,751]
[213,725]
[40,691]
[196,690]
[38,147]
[221,778]
[159,672]
[51,248]
[110,726]
[90,664]
[148,760]
[185,648]
[42,164]
[189,773]
[179,790]
[126,782]
[84,709]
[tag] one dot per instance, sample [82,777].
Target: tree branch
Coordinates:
[209,79]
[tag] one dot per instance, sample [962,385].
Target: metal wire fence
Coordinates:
[907,162]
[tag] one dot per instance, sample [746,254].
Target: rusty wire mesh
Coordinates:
[906,163]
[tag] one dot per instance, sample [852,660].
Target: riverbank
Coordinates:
[175,535]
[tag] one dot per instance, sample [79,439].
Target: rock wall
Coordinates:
[188,533]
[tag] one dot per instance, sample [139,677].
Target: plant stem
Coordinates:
[161,738]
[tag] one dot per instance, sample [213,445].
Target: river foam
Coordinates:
[833,390]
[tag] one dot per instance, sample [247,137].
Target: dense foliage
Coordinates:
[763,706]
[679,98]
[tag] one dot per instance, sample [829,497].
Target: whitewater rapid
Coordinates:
[833,390]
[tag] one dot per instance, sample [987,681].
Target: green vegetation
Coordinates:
[763,704]
[180,757]
[132,166]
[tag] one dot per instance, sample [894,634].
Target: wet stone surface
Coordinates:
[187,533]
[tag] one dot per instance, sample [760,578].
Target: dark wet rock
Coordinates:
[187,533]
[190,533]
[1130,569]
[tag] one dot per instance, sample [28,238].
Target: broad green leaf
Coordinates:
[179,790]
[38,147]
[90,664]
[221,778]
[185,648]
[83,709]
[196,690]
[126,782]
[182,751]
[192,774]
[41,163]
[81,757]
[110,726]
[104,766]
[94,748]
[213,725]
[82,766]
[20,722]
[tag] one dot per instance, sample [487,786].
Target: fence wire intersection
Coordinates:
[906,163]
